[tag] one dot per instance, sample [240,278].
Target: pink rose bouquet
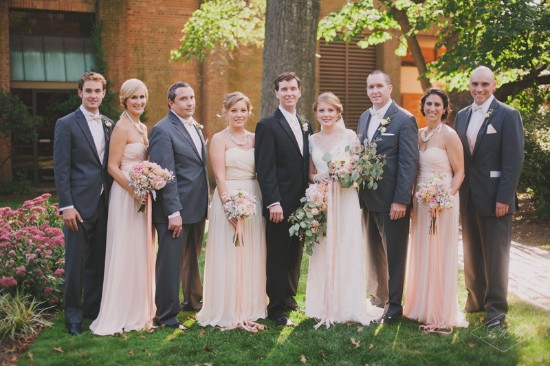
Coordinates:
[148,177]
[239,205]
[434,193]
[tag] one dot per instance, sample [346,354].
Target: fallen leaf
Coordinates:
[58,349]
[149,354]
[471,344]
[371,346]
[142,336]
[202,333]
[303,359]
[355,342]
[30,356]
[207,364]
[360,329]
[131,352]
[207,348]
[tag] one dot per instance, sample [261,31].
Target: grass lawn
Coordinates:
[526,342]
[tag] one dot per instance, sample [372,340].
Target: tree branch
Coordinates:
[514,87]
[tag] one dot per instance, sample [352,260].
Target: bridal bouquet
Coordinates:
[239,205]
[148,177]
[361,166]
[309,221]
[434,193]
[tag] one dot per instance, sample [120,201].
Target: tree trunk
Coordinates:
[290,45]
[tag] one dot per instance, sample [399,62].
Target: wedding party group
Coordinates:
[385,223]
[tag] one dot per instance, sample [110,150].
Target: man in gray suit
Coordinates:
[179,212]
[387,209]
[492,136]
[81,148]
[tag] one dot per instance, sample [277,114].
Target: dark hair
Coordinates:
[91,76]
[380,72]
[444,97]
[173,87]
[287,76]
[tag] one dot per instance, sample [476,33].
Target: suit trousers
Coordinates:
[487,241]
[85,265]
[284,258]
[178,262]
[387,242]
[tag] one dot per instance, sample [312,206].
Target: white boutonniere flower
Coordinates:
[489,113]
[107,123]
[303,122]
[305,127]
[196,124]
[384,123]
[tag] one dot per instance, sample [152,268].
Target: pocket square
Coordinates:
[491,129]
[388,134]
[494,173]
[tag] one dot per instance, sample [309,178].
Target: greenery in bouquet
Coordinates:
[360,166]
[32,252]
[309,222]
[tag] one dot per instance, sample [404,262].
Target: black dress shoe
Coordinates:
[175,326]
[188,307]
[283,321]
[74,328]
[388,319]
[495,323]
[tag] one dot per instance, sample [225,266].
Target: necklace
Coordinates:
[427,137]
[243,142]
[136,125]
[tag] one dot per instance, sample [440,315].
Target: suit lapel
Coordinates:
[83,125]
[183,131]
[286,127]
[462,129]
[483,129]
[365,131]
[107,134]
[392,109]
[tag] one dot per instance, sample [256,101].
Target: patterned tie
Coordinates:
[96,118]
[476,120]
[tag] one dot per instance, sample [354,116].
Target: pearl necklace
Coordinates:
[427,137]
[136,125]
[243,142]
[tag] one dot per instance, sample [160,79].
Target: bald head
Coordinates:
[482,84]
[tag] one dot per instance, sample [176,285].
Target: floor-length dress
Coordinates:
[431,279]
[234,276]
[127,302]
[336,289]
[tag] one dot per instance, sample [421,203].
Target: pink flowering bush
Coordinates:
[32,252]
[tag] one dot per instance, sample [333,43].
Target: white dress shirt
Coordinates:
[189,126]
[295,127]
[476,120]
[376,117]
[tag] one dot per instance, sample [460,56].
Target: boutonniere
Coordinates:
[107,123]
[196,124]
[384,123]
[303,122]
[489,113]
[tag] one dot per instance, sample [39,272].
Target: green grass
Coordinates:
[526,341]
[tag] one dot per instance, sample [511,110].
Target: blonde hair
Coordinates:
[128,88]
[233,98]
[328,98]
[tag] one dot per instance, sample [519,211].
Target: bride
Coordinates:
[336,289]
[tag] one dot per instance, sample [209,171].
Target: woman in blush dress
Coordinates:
[128,288]
[432,266]
[336,289]
[234,276]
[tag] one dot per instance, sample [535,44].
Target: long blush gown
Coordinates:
[234,276]
[336,289]
[431,279]
[128,288]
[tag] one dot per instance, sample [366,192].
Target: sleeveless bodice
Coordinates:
[239,164]
[432,160]
[133,153]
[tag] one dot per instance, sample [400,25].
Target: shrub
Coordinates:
[32,253]
[535,177]
[20,316]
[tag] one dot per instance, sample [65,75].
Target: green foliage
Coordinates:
[20,316]
[15,119]
[534,176]
[227,24]
[17,184]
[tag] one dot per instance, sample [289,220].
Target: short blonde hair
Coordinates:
[235,97]
[329,98]
[128,88]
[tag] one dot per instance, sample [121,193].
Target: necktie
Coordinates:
[295,127]
[95,118]
[190,126]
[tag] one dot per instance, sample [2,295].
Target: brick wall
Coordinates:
[84,6]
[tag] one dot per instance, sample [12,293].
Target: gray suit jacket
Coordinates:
[492,170]
[400,145]
[171,146]
[79,173]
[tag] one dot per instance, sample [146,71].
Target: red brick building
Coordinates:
[45,45]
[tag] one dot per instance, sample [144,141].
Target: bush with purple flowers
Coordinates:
[32,252]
